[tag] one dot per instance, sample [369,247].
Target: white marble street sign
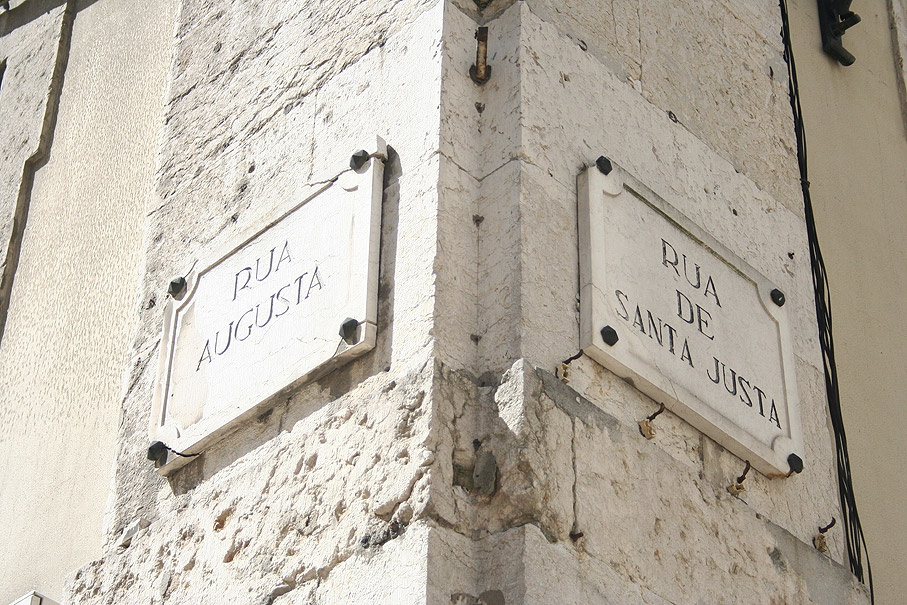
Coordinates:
[266,314]
[666,306]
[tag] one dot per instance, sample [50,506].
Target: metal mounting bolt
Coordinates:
[604,165]
[778,297]
[348,330]
[609,335]
[795,463]
[177,288]
[157,452]
[359,159]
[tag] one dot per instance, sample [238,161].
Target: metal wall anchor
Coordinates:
[481,71]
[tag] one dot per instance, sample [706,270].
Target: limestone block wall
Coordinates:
[253,117]
[553,105]
[306,503]
[587,510]
[473,456]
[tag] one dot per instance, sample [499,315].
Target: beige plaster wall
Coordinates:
[72,311]
[858,170]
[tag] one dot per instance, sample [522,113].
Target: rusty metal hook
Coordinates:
[746,469]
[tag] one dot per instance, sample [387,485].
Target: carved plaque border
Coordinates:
[196,403]
[641,318]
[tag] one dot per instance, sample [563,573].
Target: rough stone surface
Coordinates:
[207,200]
[611,517]
[339,484]
[473,456]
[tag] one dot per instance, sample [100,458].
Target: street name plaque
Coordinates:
[292,300]
[667,307]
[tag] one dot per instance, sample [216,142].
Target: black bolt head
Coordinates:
[778,297]
[359,159]
[796,463]
[348,330]
[604,165]
[609,335]
[177,288]
[157,452]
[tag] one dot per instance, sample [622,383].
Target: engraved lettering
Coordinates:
[717,377]
[710,289]
[702,324]
[655,331]
[654,327]
[685,353]
[671,333]
[637,321]
[229,339]
[743,392]
[270,264]
[284,256]
[239,323]
[270,313]
[687,274]
[664,257]
[733,379]
[312,283]
[738,387]
[773,415]
[623,310]
[671,258]
[761,396]
[299,289]
[245,286]
[255,317]
[681,299]
[206,354]
[280,298]
[690,313]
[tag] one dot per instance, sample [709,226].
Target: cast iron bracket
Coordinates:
[835,18]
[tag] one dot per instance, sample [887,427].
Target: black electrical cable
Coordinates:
[853,530]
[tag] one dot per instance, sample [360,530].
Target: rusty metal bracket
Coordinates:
[481,71]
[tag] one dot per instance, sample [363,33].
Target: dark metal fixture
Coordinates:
[177,288]
[609,335]
[778,297]
[481,71]
[795,463]
[835,18]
